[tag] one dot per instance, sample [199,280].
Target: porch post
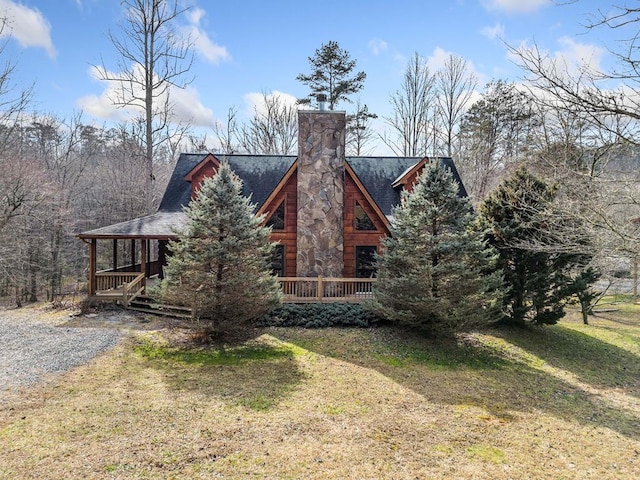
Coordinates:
[115,254]
[133,255]
[92,267]
[162,256]
[143,260]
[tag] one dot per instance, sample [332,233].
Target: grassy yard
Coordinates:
[560,402]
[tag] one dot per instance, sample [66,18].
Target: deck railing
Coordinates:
[121,286]
[132,289]
[112,280]
[320,289]
[124,286]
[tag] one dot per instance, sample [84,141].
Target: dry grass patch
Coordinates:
[559,402]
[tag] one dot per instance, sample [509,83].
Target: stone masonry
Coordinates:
[320,242]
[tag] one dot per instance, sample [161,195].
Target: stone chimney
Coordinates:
[320,239]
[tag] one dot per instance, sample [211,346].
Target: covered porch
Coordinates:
[126,257]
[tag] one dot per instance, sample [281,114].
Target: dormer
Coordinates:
[206,168]
[409,177]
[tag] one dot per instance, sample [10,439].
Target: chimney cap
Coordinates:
[322,100]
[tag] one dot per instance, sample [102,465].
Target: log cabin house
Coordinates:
[328,214]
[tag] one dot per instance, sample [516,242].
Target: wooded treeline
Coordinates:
[60,178]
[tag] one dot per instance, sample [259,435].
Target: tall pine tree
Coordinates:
[331,75]
[220,264]
[539,269]
[436,273]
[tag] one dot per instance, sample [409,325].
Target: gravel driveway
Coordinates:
[29,350]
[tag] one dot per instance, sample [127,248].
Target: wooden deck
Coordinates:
[326,290]
[126,286]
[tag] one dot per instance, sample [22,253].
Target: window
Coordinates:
[276,220]
[366,262]
[277,261]
[363,222]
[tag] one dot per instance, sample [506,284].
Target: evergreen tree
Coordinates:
[582,286]
[331,70]
[220,264]
[436,273]
[538,268]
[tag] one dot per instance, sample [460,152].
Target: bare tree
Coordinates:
[227,135]
[153,59]
[495,132]
[455,85]
[359,133]
[273,129]
[597,125]
[18,193]
[57,144]
[412,110]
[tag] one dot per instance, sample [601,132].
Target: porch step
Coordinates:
[147,305]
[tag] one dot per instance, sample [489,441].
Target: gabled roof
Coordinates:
[209,160]
[405,176]
[378,175]
[261,174]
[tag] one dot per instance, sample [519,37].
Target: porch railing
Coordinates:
[125,286]
[132,289]
[321,289]
[122,286]
[112,280]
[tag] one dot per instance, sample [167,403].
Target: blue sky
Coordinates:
[253,46]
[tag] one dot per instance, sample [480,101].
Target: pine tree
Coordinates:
[436,273]
[220,264]
[539,271]
[331,67]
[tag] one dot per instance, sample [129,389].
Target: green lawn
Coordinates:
[560,402]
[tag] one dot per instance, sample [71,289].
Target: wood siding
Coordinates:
[204,170]
[354,238]
[287,237]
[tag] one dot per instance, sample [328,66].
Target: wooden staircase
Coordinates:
[142,303]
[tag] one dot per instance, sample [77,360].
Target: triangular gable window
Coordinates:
[363,221]
[276,220]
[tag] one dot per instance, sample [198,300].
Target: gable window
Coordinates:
[276,220]
[277,261]
[366,262]
[363,221]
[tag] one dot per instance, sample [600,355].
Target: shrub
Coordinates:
[319,315]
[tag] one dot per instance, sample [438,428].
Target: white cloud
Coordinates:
[209,50]
[516,6]
[377,46]
[437,59]
[188,108]
[28,26]
[569,59]
[497,31]
[186,105]
[255,101]
[580,54]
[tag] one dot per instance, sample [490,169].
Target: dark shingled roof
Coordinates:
[260,175]
[159,225]
[377,174]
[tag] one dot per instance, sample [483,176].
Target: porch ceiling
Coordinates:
[160,225]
